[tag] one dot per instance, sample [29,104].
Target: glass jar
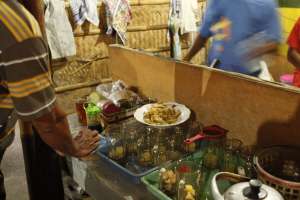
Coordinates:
[116,144]
[131,142]
[168,181]
[79,105]
[188,176]
[144,148]
[175,142]
[246,159]
[160,147]
[194,128]
[93,117]
[212,154]
[231,155]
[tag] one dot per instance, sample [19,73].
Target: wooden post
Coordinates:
[42,166]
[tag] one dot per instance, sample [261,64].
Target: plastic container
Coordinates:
[287,79]
[134,177]
[152,180]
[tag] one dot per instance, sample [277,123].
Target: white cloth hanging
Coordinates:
[188,16]
[186,12]
[58,30]
[85,10]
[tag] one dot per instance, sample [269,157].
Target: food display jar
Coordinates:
[116,144]
[93,117]
[79,105]
[212,154]
[188,178]
[175,142]
[168,180]
[159,151]
[131,142]
[194,127]
[232,148]
[145,148]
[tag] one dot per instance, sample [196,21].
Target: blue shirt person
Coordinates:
[241,30]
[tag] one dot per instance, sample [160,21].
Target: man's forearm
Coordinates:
[266,48]
[54,130]
[294,57]
[197,46]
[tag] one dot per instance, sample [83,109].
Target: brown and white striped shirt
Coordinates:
[26,91]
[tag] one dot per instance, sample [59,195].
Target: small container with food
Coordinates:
[93,117]
[194,127]
[145,148]
[79,105]
[160,147]
[231,154]
[188,178]
[116,144]
[175,142]
[168,181]
[131,142]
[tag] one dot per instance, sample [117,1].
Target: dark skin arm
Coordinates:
[201,41]
[197,46]
[266,48]
[54,130]
[294,57]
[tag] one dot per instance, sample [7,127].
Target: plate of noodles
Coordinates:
[162,114]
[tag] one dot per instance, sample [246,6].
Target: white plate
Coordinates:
[185,114]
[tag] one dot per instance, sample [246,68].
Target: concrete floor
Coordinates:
[14,171]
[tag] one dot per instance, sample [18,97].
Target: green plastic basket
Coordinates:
[151,181]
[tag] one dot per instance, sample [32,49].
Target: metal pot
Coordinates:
[244,189]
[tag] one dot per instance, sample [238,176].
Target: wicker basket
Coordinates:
[279,167]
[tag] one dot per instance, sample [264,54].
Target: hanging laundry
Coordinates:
[58,30]
[182,20]
[174,27]
[118,16]
[188,16]
[85,10]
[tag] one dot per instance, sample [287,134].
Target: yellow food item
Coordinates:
[161,114]
[116,152]
[189,189]
[210,160]
[147,156]
[189,196]
[119,151]
[190,147]
[169,180]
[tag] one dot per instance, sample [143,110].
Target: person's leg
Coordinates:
[3,146]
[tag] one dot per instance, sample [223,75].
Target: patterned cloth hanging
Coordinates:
[118,16]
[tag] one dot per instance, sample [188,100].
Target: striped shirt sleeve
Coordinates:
[26,71]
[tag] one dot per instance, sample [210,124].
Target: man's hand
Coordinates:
[86,142]
[199,43]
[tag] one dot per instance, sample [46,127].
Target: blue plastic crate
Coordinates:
[134,177]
